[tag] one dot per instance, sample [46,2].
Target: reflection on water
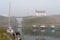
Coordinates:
[28,37]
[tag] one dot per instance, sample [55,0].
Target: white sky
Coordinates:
[28,7]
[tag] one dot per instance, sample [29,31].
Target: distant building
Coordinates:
[40,13]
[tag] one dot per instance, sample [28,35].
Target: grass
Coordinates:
[2,36]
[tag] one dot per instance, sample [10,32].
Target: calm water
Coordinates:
[28,37]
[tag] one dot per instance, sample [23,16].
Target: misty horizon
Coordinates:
[28,7]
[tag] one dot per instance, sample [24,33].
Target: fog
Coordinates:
[28,7]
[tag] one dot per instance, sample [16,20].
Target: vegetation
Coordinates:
[2,35]
[4,22]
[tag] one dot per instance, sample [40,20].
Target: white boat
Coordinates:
[52,28]
[42,28]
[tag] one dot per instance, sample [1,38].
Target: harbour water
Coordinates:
[29,37]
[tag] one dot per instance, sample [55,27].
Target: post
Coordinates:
[9,13]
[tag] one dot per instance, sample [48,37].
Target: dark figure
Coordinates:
[17,33]
[14,35]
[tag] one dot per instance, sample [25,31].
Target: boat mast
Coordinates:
[9,13]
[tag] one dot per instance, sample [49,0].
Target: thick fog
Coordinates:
[28,7]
